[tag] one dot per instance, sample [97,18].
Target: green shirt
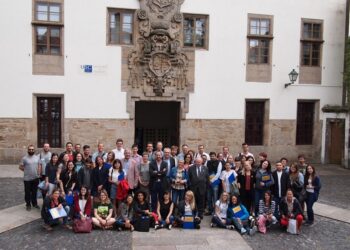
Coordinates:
[103,209]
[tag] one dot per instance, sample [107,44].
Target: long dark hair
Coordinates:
[121,165]
[270,195]
[51,162]
[268,169]
[86,196]
[307,175]
[96,160]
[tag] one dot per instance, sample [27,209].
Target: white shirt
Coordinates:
[224,177]
[82,204]
[223,209]
[279,174]
[119,154]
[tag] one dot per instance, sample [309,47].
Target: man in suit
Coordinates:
[282,183]
[198,178]
[158,183]
[170,162]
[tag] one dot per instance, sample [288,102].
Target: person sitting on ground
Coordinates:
[187,207]
[165,210]
[266,212]
[221,205]
[103,211]
[142,209]
[290,209]
[238,217]
[126,214]
[52,201]
[82,204]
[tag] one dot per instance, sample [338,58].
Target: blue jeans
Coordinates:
[217,221]
[177,195]
[213,192]
[259,195]
[311,198]
[162,222]
[277,211]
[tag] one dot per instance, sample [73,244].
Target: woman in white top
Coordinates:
[227,178]
[115,175]
[221,205]
[82,204]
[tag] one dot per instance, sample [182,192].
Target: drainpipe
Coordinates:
[345,87]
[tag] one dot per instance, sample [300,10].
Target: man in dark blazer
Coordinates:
[158,182]
[198,178]
[282,183]
[171,164]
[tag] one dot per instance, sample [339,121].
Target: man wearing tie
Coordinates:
[198,178]
[158,182]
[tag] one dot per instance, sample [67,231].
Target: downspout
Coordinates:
[345,97]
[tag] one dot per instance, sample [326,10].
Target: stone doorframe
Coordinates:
[157,67]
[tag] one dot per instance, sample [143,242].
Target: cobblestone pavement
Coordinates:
[33,236]
[11,192]
[325,234]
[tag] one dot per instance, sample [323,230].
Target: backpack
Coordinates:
[122,190]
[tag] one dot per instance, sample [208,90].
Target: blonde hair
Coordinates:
[103,191]
[193,201]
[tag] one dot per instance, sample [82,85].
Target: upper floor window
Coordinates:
[195,31]
[48,40]
[259,39]
[121,26]
[311,42]
[45,11]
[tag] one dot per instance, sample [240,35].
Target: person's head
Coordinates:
[77,148]
[180,164]
[149,147]
[247,166]
[110,156]
[88,163]
[119,143]
[266,165]
[83,192]
[65,158]
[238,162]
[159,146]
[70,166]
[117,165]
[267,196]
[55,193]
[220,156]
[127,154]
[212,156]
[279,166]
[174,150]
[262,156]
[224,197]
[198,161]
[167,153]
[234,200]
[230,159]
[311,170]
[69,147]
[245,147]
[289,194]
[100,147]
[134,149]
[250,159]
[158,156]
[188,158]
[189,198]
[191,152]
[144,157]
[31,150]
[301,159]
[284,161]
[200,149]
[141,196]
[99,161]
[166,195]
[227,166]
[46,147]
[129,199]
[243,158]
[225,150]
[104,196]
[78,157]
[184,148]
[293,168]
[54,159]
[204,158]
[86,150]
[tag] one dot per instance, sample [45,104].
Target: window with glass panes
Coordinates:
[195,31]
[48,28]
[259,39]
[254,122]
[305,122]
[121,24]
[311,43]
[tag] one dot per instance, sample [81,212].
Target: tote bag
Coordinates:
[292,226]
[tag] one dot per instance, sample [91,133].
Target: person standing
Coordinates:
[214,169]
[100,152]
[69,152]
[119,150]
[245,150]
[31,167]
[45,157]
[144,174]
[134,154]
[199,178]
[131,171]
[312,185]
[86,153]
[282,183]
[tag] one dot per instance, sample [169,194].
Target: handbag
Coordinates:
[292,226]
[234,190]
[82,226]
[70,200]
[142,224]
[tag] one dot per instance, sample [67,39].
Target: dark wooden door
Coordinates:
[337,138]
[157,121]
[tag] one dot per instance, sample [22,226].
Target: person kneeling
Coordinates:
[290,209]
[221,206]
[187,208]
[126,213]
[266,212]
[165,209]
[103,211]
[238,216]
[51,213]
[142,213]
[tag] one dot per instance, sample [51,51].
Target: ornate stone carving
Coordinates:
[157,67]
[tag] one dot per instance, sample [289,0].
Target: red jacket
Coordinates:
[87,209]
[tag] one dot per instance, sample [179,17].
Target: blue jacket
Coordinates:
[237,211]
[173,175]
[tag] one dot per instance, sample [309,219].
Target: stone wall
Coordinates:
[17,134]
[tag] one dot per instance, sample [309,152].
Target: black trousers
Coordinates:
[30,191]
[200,199]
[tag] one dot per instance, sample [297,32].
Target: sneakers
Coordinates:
[119,229]
[132,228]
[243,231]
[211,224]
[252,231]
[169,227]
[28,208]
[230,227]
[36,206]
[66,226]
[47,227]
[156,227]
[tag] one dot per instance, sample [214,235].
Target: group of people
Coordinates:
[165,188]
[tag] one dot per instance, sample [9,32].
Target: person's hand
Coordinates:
[262,184]
[239,220]
[83,218]
[269,216]
[182,218]
[70,192]
[100,187]
[60,206]
[167,221]
[283,216]
[291,215]
[46,185]
[223,221]
[127,223]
